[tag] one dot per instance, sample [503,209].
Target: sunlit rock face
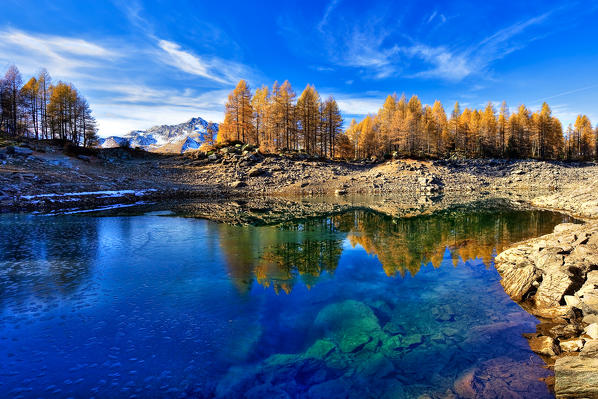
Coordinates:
[555,277]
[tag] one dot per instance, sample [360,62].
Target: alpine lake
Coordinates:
[146,303]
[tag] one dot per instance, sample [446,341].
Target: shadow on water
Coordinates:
[356,304]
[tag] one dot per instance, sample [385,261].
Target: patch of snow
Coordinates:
[104,194]
[103,208]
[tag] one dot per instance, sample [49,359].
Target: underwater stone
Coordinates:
[266,391]
[412,340]
[394,328]
[320,349]
[350,324]
[376,365]
[332,389]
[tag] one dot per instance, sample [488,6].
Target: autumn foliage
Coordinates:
[275,119]
[42,110]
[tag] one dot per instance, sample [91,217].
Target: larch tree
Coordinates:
[332,126]
[455,128]
[441,128]
[502,128]
[308,118]
[260,104]
[30,98]
[11,100]
[385,116]
[238,116]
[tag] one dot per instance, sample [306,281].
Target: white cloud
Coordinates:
[62,55]
[116,81]
[445,65]
[133,107]
[186,61]
[358,105]
[212,68]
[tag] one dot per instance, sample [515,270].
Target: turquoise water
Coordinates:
[351,305]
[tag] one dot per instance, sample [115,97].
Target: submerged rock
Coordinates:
[349,324]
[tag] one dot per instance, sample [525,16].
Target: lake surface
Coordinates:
[351,305]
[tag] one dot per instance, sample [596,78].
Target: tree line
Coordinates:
[409,129]
[275,119]
[42,110]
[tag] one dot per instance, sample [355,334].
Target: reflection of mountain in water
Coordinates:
[279,256]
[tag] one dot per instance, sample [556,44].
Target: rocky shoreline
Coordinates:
[41,177]
[555,278]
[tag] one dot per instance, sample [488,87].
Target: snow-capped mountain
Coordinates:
[179,138]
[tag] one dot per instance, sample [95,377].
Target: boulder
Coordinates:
[543,345]
[256,171]
[518,272]
[571,345]
[576,377]
[592,331]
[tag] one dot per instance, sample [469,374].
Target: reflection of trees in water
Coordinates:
[280,256]
[42,256]
[404,245]
[307,258]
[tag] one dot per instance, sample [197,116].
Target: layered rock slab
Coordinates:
[555,277]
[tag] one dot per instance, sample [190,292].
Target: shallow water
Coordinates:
[356,305]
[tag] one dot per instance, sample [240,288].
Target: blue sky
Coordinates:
[142,63]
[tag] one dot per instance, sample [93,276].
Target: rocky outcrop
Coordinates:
[577,376]
[581,200]
[555,277]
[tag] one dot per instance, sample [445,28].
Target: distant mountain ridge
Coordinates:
[179,138]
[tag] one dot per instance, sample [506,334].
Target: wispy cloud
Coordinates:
[436,16]
[565,93]
[379,49]
[366,49]
[64,55]
[115,76]
[331,6]
[187,61]
[445,64]
[213,68]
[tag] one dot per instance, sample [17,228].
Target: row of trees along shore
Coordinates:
[275,119]
[42,110]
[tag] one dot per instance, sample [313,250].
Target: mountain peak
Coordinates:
[165,138]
